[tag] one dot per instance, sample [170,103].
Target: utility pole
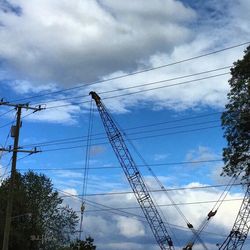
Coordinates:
[15,134]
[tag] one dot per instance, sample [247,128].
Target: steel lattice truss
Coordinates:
[239,232]
[134,177]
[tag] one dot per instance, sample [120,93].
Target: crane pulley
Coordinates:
[134,177]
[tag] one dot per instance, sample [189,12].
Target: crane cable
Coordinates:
[86,166]
[212,212]
[189,225]
[158,207]
[108,209]
[144,162]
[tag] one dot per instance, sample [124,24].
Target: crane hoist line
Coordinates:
[134,177]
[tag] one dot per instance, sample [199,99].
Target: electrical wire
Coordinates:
[7,112]
[136,72]
[5,170]
[215,208]
[6,124]
[125,136]
[4,146]
[70,141]
[139,186]
[136,138]
[162,187]
[141,91]
[139,165]
[179,203]
[132,215]
[126,129]
[140,85]
[159,190]
[10,123]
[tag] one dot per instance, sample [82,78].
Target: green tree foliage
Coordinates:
[236,120]
[87,244]
[40,220]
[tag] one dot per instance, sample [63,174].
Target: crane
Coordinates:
[134,177]
[237,236]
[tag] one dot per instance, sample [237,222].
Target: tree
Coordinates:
[39,217]
[236,121]
[87,244]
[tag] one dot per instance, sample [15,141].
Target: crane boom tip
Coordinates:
[96,97]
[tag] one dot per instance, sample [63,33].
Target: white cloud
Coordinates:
[202,153]
[65,43]
[128,231]
[130,227]
[76,41]
[96,183]
[159,157]
[71,175]
[218,178]
[66,114]
[26,87]
[4,173]
[1,169]
[126,245]
[70,191]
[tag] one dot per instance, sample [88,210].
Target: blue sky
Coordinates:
[49,46]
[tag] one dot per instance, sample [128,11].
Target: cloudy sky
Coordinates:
[162,69]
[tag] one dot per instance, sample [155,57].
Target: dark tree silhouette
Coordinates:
[236,121]
[39,220]
[87,244]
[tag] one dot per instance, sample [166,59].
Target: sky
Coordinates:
[162,70]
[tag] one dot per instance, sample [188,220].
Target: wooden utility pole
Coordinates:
[15,129]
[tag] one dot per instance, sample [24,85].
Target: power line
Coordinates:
[7,112]
[156,190]
[113,210]
[10,123]
[138,216]
[178,204]
[1,155]
[140,91]
[140,85]
[140,165]
[6,168]
[126,129]
[136,72]
[6,124]
[137,138]
[76,140]
[118,211]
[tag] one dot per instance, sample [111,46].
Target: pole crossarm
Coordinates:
[34,151]
[22,105]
